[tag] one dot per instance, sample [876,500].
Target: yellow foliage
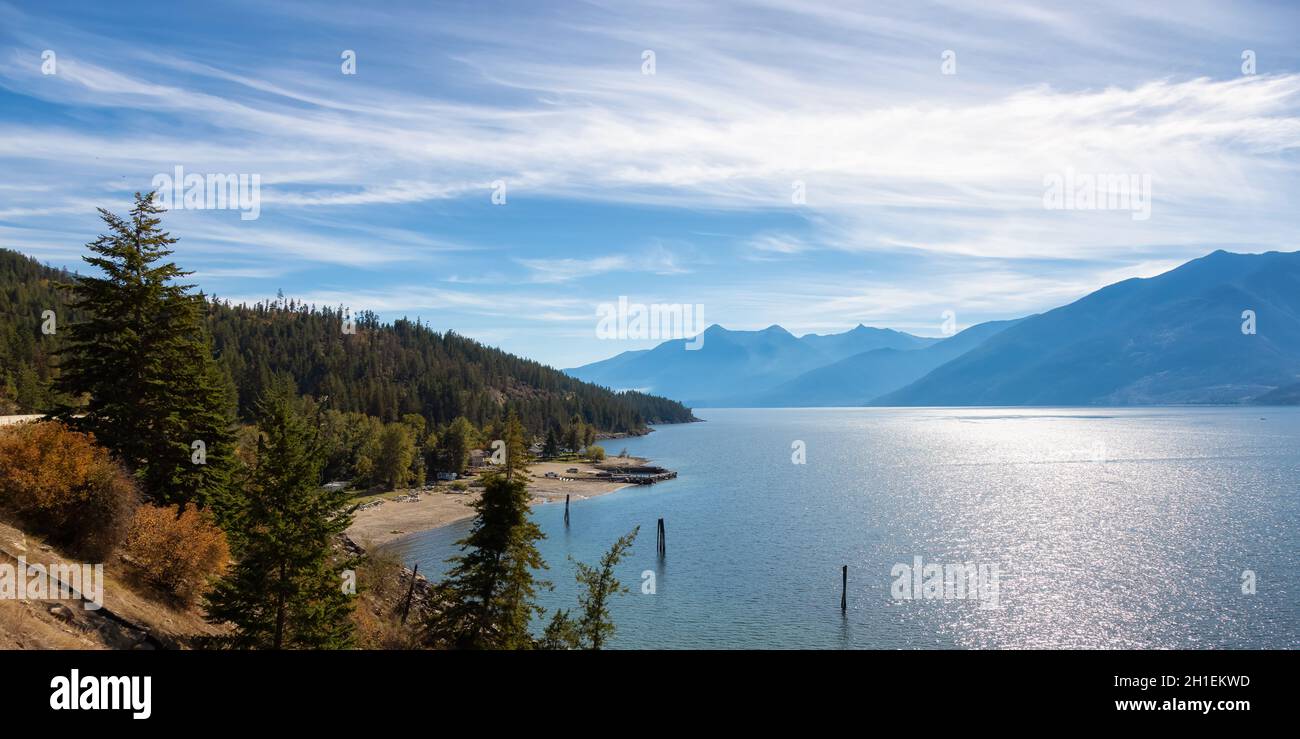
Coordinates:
[61,483]
[178,553]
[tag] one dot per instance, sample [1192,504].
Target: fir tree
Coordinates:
[488,598]
[594,626]
[141,358]
[286,590]
[551,449]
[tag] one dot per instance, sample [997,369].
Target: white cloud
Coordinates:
[565,270]
[899,161]
[770,247]
[654,260]
[735,143]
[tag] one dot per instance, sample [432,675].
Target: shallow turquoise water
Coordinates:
[1108,527]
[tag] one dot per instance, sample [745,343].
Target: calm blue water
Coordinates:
[1110,528]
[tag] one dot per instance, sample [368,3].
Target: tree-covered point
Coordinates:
[390,370]
[385,370]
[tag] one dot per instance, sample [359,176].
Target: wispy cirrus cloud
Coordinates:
[654,260]
[768,247]
[908,176]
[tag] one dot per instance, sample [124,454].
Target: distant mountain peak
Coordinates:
[1172,338]
[731,362]
[1176,337]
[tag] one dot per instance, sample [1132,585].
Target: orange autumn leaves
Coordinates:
[177,553]
[61,484]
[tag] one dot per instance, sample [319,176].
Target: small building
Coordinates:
[447,476]
[477,458]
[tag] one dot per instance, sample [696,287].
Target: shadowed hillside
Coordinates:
[1173,338]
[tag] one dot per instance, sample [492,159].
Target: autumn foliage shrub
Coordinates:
[61,484]
[177,553]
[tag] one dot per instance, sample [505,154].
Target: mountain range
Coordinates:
[731,366]
[1224,328]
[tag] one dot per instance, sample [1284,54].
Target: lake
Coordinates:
[1072,528]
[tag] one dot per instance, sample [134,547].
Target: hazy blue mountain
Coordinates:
[1287,395]
[1173,338]
[734,362]
[859,339]
[858,379]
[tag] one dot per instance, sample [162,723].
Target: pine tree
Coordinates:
[488,598]
[156,398]
[551,449]
[286,591]
[593,627]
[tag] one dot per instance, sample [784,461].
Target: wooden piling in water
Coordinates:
[844,589]
[406,608]
[663,540]
[566,509]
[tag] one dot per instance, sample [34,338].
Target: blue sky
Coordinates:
[924,190]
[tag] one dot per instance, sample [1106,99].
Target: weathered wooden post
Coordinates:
[844,589]
[406,608]
[566,509]
[663,539]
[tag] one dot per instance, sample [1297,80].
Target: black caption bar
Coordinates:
[333,689]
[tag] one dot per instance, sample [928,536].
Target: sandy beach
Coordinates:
[379,525]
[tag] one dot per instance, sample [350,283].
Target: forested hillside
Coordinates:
[382,370]
[27,290]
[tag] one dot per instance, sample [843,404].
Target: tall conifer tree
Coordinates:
[286,590]
[489,597]
[143,363]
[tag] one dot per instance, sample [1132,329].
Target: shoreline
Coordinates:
[412,511]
